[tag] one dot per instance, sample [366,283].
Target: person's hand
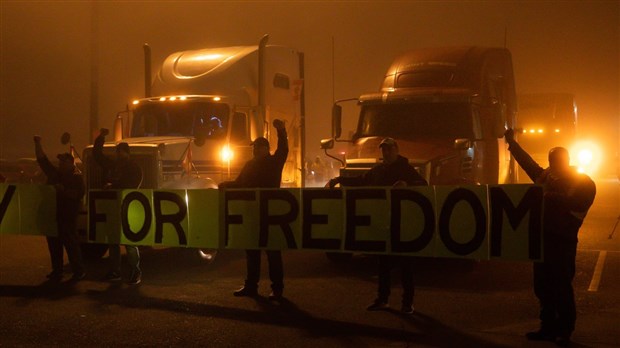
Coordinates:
[509,134]
[400,183]
[37,139]
[332,183]
[104,132]
[278,124]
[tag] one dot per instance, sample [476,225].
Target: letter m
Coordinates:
[501,203]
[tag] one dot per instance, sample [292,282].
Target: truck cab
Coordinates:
[194,127]
[447,108]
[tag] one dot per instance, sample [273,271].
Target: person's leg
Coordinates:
[543,288]
[54,245]
[565,300]
[72,245]
[133,259]
[276,271]
[385,268]
[114,258]
[406,264]
[253,270]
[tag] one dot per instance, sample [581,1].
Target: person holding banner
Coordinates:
[119,173]
[69,192]
[263,171]
[567,197]
[395,171]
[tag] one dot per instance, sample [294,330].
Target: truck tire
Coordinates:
[93,251]
[339,257]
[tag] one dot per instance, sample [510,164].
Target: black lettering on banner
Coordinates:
[309,219]
[173,219]
[353,220]
[6,199]
[461,194]
[532,203]
[397,196]
[235,219]
[93,216]
[283,220]
[148,216]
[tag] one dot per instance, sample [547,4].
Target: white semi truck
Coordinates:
[194,126]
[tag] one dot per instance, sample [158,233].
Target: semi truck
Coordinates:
[447,108]
[194,126]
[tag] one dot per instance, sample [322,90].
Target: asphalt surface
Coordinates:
[186,302]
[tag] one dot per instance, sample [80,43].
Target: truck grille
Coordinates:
[146,161]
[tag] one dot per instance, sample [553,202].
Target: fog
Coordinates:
[48,50]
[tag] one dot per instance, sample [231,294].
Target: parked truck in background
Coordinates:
[194,126]
[447,108]
[547,120]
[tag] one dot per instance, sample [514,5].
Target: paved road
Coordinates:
[183,302]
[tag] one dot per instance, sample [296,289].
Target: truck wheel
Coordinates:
[93,251]
[339,257]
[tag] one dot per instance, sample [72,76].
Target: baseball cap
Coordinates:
[65,157]
[122,147]
[388,142]
[260,141]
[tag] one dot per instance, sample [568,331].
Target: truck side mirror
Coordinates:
[118,127]
[499,112]
[336,121]
[327,144]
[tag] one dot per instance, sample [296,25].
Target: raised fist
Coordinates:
[37,139]
[278,124]
[509,134]
[104,131]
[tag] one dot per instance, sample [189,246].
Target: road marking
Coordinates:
[598,270]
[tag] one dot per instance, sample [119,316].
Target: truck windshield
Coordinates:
[180,119]
[416,120]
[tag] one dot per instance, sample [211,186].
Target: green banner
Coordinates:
[473,221]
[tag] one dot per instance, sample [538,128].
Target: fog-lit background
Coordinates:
[47,59]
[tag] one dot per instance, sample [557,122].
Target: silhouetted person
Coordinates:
[263,170]
[120,173]
[567,197]
[69,192]
[395,171]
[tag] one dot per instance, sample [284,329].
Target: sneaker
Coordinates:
[275,296]
[136,278]
[78,276]
[540,335]
[245,292]
[407,309]
[112,277]
[378,305]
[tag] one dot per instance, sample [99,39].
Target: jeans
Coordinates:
[67,238]
[386,263]
[276,272]
[133,258]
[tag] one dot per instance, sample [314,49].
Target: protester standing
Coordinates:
[120,173]
[567,197]
[263,171]
[394,171]
[69,192]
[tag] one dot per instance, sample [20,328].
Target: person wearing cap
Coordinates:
[263,170]
[394,171]
[119,173]
[69,192]
[567,196]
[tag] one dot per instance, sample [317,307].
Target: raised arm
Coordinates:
[98,155]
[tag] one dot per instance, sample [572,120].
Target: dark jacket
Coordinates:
[263,172]
[69,195]
[120,173]
[567,197]
[387,175]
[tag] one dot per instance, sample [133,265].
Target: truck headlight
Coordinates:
[586,156]
[226,154]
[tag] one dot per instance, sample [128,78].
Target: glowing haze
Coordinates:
[62,62]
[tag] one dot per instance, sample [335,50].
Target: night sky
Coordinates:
[47,54]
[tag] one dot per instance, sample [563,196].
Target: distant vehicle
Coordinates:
[447,108]
[194,127]
[548,120]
